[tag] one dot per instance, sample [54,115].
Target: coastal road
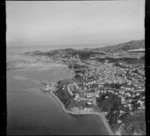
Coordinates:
[101,115]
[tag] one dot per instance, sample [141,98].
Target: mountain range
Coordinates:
[87,53]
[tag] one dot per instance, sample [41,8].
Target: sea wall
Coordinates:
[101,115]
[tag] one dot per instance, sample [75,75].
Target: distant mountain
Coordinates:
[123,46]
[87,53]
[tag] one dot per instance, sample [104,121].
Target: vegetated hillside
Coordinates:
[51,53]
[66,53]
[86,54]
[124,46]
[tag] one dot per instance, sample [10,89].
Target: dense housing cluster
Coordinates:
[116,89]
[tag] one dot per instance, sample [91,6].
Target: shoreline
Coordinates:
[101,115]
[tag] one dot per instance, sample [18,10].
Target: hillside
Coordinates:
[66,53]
[84,54]
[123,46]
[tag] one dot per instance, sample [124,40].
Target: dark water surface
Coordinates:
[29,111]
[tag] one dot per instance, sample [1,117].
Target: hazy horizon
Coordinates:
[73,24]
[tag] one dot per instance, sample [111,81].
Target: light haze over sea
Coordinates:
[74,24]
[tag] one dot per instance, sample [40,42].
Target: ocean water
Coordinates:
[31,112]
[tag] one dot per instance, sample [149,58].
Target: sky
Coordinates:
[74,23]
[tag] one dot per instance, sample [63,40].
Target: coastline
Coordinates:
[101,115]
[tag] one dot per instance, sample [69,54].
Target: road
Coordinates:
[101,115]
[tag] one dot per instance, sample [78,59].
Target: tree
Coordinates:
[111,104]
[134,123]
